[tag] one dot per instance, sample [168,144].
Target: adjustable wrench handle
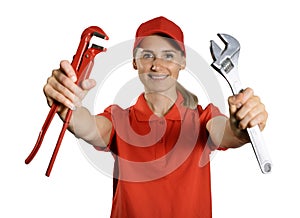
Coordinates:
[260,149]
[256,137]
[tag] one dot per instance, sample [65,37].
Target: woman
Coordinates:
[161,144]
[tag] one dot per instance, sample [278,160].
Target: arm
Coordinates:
[246,110]
[61,88]
[93,129]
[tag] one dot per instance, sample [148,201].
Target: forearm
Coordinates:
[222,135]
[82,124]
[230,140]
[93,129]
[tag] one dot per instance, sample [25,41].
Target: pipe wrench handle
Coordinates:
[260,149]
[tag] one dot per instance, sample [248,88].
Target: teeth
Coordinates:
[158,77]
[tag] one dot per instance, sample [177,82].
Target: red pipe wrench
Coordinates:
[82,63]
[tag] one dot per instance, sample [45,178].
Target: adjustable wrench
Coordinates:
[82,64]
[225,62]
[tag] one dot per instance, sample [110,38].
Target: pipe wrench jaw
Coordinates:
[94,31]
[96,46]
[87,51]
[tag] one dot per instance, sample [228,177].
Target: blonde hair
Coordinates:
[190,99]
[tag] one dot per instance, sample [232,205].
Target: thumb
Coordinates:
[88,84]
[233,105]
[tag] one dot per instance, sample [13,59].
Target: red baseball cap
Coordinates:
[160,25]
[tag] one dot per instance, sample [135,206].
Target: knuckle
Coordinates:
[251,114]
[266,114]
[59,97]
[63,63]
[239,116]
[48,80]
[64,80]
[59,87]
[253,123]
[250,104]
[55,72]
[250,91]
[263,107]
[66,67]
[242,125]
[45,88]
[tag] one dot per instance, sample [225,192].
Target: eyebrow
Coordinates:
[165,51]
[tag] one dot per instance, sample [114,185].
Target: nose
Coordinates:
[157,63]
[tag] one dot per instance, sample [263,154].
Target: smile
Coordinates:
[157,77]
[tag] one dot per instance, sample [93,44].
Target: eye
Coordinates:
[168,56]
[148,55]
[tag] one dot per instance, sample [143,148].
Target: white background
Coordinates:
[36,35]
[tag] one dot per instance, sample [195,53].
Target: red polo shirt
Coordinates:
[161,164]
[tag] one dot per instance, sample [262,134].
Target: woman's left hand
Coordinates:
[246,110]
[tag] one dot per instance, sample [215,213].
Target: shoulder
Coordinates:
[209,112]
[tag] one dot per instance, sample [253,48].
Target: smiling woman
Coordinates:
[161,144]
[157,52]
[158,64]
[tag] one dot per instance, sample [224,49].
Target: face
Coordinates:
[158,63]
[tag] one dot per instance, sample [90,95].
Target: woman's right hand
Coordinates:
[61,87]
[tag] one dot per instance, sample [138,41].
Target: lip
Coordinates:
[158,76]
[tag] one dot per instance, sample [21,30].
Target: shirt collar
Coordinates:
[143,112]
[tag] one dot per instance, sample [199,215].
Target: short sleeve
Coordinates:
[107,113]
[207,114]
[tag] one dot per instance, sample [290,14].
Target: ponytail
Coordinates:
[190,100]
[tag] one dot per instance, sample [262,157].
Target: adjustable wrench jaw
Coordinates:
[226,61]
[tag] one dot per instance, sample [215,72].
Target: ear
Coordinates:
[182,64]
[134,64]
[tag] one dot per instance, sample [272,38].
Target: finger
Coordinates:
[67,68]
[254,117]
[246,95]
[234,104]
[88,84]
[65,92]
[49,101]
[247,107]
[66,82]
[52,94]
[241,97]
[258,120]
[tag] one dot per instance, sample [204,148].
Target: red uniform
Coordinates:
[161,164]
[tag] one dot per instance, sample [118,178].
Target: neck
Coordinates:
[160,103]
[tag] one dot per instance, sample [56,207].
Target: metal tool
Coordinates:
[82,63]
[226,62]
